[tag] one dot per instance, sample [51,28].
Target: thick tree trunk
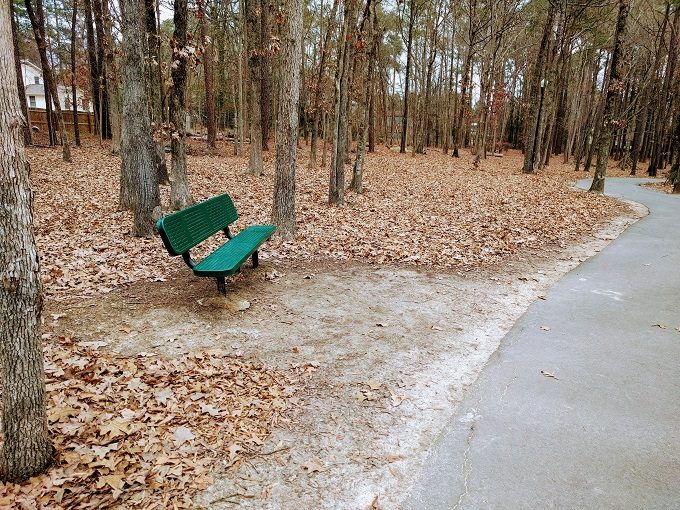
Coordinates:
[283,211]
[38,23]
[180,195]
[614,89]
[26,449]
[139,176]
[255,164]
[74,94]
[28,135]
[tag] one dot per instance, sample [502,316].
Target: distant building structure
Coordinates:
[35,91]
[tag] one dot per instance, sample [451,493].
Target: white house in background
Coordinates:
[35,90]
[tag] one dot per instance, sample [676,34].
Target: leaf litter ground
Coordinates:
[428,210]
[351,350]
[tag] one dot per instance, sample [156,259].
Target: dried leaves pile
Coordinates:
[147,432]
[663,186]
[431,210]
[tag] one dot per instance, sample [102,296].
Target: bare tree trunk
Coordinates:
[657,159]
[74,96]
[265,72]
[640,123]
[208,78]
[155,88]
[357,184]
[139,175]
[371,87]
[112,81]
[461,103]
[28,135]
[675,169]
[614,88]
[409,51]
[318,94]
[324,150]
[283,211]
[38,23]
[180,196]
[255,164]
[336,189]
[102,85]
[537,91]
[241,101]
[92,60]
[27,449]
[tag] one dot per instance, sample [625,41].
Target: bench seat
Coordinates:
[227,259]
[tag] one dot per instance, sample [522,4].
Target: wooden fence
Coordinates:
[85,121]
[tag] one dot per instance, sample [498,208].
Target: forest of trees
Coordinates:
[582,80]
[540,76]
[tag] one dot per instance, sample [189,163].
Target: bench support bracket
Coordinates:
[256,259]
[221,285]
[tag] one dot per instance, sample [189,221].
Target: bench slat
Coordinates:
[184,229]
[229,257]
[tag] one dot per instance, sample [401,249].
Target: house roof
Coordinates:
[31,64]
[35,89]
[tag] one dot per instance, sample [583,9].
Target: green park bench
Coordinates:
[183,230]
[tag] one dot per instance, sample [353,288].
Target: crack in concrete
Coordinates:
[466,468]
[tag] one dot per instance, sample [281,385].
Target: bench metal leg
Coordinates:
[256,259]
[221,285]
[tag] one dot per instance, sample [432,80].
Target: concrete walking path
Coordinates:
[604,432]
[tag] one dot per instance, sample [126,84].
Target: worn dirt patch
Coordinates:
[389,351]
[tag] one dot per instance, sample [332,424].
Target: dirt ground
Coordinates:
[389,350]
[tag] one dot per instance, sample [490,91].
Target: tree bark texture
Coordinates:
[102,86]
[112,82]
[614,89]
[336,189]
[180,196]
[208,78]
[283,212]
[536,93]
[265,72]
[27,449]
[92,60]
[74,93]
[155,88]
[139,176]
[409,53]
[255,165]
[364,108]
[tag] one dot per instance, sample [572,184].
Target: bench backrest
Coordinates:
[184,229]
